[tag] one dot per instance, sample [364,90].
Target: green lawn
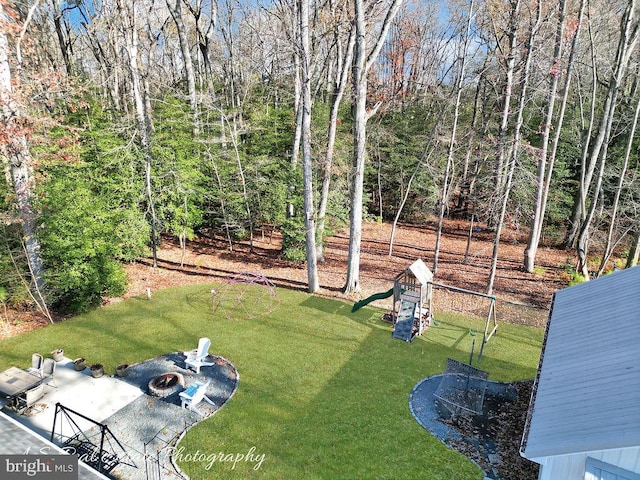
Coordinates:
[323,393]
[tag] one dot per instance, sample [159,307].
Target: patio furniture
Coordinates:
[14,381]
[36,364]
[196,358]
[48,370]
[29,398]
[20,387]
[195,394]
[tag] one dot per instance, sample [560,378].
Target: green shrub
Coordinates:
[293,239]
[576,278]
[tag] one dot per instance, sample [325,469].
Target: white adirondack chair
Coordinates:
[197,358]
[195,394]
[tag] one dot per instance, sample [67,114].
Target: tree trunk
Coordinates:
[560,121]
[609,244]
[538,210]
[204,36]
[626,45]
[233,135]
[634,251]
[517,137]
[175,8]
[361,65]
[359,141]
[307,166]
[62,34]
[426,155]
[223,208]
[15,151]
[586,172]
[342,76]
[297,108]
[474,125]
[499,175]
[297,135]
[143,118]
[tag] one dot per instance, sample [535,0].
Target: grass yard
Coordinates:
[323,393]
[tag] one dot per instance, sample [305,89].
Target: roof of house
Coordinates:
[587,394]
[16,439]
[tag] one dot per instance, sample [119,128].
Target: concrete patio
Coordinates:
[142,428]
[97,398]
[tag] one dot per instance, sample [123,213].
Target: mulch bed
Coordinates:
[521,297]
[493,440]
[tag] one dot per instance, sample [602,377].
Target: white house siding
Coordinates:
[571,467]
[588,390]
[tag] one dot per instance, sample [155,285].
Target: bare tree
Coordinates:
[515,145]
[510,56]
[586,167]
[448,172]
[175,7]
[204,13]
[101,38]
[361,65]
[343,60]
[622,179]
[126,9]
[628,38]
[298,107]
[307,161]
[538,211]
[63,33]
[544,179]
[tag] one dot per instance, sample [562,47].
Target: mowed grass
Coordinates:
[323,393]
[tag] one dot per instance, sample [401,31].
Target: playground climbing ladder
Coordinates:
[404,321]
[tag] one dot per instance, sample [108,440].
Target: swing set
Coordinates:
[467,303]
[416,297]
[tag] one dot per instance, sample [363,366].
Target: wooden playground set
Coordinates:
[415,297]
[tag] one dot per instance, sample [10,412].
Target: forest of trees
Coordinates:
[127,120]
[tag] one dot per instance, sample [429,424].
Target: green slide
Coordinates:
[372,298]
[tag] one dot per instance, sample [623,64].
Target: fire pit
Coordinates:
[166,384]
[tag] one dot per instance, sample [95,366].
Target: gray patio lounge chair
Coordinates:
[48,370]
[37,364]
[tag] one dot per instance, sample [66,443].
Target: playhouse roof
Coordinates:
[420,271]
[588,386]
